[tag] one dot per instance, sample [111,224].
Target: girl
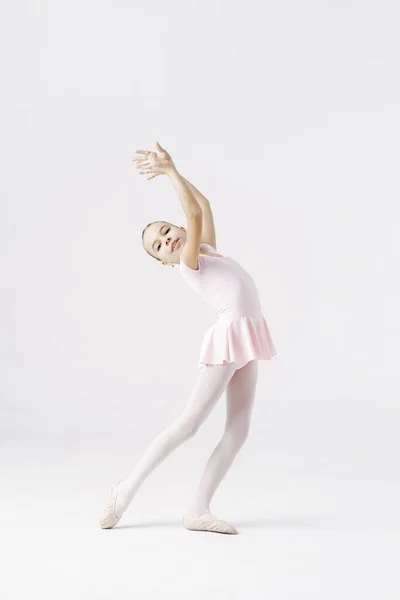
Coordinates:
[229,353]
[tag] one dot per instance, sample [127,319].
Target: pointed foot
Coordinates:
[109,518]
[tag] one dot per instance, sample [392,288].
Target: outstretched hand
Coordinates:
[154,163]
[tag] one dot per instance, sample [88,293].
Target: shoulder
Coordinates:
[209,247]
[184,268]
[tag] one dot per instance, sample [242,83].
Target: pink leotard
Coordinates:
[240,333]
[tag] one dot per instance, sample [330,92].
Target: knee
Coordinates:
[238,434]
[243,434]
[185,429]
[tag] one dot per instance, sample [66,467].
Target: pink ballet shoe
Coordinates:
[109,518]
[208,522]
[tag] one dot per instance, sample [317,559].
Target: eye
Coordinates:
[164,234]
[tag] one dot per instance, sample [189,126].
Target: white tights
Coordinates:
[212,380]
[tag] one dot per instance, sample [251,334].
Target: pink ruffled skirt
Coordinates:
[240,340]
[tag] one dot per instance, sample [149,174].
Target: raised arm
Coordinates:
[208,235]
[160,162]
[187,198]
[194,219]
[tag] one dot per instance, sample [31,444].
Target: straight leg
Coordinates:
[240,395]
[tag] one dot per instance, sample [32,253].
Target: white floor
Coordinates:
[303,533]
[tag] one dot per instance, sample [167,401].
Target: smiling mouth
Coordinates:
[174,244]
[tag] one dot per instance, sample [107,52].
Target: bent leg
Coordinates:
[240,395]
[210,384]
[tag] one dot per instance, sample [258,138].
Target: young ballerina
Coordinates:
[229,353]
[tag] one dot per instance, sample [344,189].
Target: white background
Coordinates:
[286,116]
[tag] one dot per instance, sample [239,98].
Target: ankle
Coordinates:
[123,499]
[197,511]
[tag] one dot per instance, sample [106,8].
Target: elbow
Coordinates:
[195,212]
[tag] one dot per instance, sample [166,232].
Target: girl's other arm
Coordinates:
[188,200]
[208,235]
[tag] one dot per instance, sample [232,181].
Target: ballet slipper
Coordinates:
[208,522]
[109,518]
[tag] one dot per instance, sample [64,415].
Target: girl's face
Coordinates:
[158,240]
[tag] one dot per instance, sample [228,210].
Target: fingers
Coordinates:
[143,163]
[152,173]
[148,151]
[161,149]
